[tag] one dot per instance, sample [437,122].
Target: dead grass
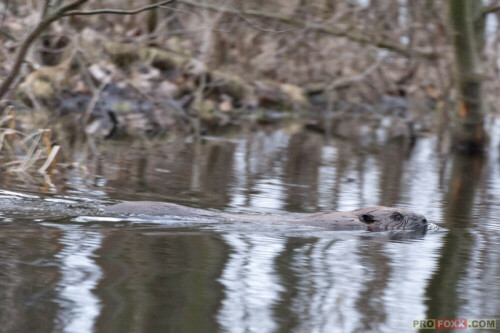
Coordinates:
[25,152]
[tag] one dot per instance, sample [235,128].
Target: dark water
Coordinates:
[80,274]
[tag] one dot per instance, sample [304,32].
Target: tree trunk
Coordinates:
[467,25]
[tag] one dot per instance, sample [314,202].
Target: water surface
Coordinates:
[77,273]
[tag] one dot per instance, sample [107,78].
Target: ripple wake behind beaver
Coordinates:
[374,218]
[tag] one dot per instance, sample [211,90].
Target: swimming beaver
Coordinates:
[376,218]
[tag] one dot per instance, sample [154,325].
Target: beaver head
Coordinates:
[385,218]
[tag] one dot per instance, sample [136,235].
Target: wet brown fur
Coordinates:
[375,218]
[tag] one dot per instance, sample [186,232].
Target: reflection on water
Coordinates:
[65,270]
[250,283]
[79,276]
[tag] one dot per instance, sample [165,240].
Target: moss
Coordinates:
[230,84]
[122,107]
[122,54]
[162,59]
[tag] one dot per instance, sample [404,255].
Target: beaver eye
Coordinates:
[397,216]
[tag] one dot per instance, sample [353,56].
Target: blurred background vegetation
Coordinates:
[138,68]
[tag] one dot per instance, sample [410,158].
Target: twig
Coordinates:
[45,9]
[117,11]
[346,81]
[6,34]
[95,98]
[4,14]
[256,26]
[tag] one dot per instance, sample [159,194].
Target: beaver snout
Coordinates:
[422,223]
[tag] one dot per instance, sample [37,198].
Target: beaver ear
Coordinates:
[367,218]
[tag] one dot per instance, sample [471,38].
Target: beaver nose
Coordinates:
[424,221]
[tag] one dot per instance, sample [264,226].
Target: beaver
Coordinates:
[375,218]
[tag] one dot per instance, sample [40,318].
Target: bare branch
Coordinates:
[45,8]
[23,49]
[118,11]
[356,36]
[491,9]
[346,81]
